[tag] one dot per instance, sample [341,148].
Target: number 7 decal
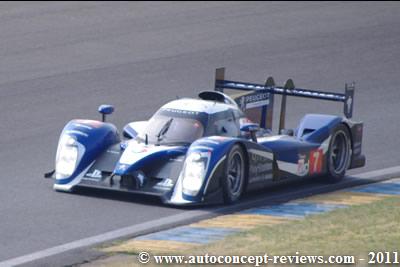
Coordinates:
[316,157]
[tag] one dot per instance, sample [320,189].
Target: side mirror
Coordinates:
[129,132]
[289,132]
[105,110]
[250,128]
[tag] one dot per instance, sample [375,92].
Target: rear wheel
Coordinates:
[339,153]
[234,178]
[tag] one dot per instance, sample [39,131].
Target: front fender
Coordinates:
[217,148]
[92,138]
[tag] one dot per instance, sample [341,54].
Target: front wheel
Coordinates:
[234,177]
[339,153]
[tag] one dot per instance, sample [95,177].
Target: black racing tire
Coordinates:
[339,153]
[233,180]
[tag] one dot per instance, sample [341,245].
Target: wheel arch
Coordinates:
[333,174]
[246,161]
[346,124]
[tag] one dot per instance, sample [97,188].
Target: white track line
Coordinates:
[136,229]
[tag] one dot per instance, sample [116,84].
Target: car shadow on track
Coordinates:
[290,190]
[119,196]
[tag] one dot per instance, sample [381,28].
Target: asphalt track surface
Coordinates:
[60,60]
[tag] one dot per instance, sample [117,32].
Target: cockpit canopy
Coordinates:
[183,121]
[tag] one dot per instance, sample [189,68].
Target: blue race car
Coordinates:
[211,149]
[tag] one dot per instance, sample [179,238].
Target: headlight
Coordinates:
[194,173]
[67,155]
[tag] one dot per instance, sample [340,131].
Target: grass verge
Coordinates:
[350,231]
[355,230]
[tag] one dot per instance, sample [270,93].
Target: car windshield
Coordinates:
[162,129]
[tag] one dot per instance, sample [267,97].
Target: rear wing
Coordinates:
[260,97]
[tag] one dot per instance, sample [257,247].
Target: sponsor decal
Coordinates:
[176,159]
[302,165]
[179,111]
[295,91]
[248,86]
[95,174]
[316,157]
[113,151]
[165,184]
[260,165]
[310,164]
[261,172]
[254,100]
[262,155]
[310,93]
[257,158]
